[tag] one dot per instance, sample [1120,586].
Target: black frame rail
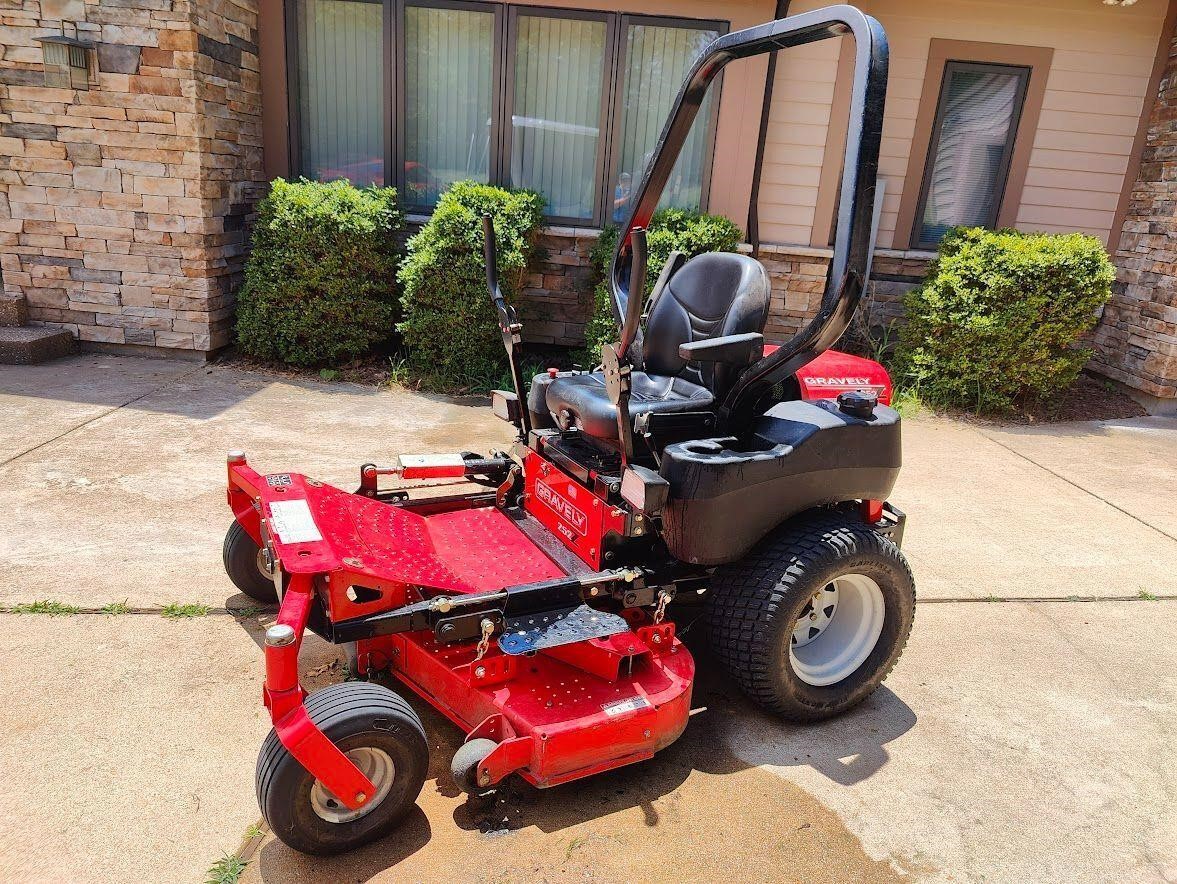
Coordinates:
[846,278]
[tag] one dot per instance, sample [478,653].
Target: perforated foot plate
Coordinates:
[566,626]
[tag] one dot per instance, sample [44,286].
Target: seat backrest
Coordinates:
[712,295]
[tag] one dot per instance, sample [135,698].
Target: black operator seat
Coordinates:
[712,296]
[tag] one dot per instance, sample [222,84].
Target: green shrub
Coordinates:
[320,284]
[670,229]
[998,320]
[450,328]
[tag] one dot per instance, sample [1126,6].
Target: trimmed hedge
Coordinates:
[320,283]
[670,229]
[998,320]
[450,328]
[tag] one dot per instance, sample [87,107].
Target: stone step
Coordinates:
[29,345]
[13,312]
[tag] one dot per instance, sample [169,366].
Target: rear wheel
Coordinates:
[811,621]
[246,566]
[382,736]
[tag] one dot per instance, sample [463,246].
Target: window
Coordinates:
[656,60]
[340,131]
[449,89]
[569,103]
[970,148]
[558,85]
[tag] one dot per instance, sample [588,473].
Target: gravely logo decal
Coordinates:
[558,504]
[838,382]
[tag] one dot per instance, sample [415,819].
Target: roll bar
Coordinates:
[846,276]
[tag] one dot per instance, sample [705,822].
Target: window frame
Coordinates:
[620,58]
[1023,74]
[940,51]
[604,119]
[502,92]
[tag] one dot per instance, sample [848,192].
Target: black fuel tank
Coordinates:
[726,495]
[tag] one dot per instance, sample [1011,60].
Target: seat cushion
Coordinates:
[582,401]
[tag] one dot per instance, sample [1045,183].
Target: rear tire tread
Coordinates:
[748,596]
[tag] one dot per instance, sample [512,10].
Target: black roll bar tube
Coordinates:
[846,276]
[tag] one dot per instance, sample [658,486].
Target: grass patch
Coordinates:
[254,831]
[1147,596]
[907,402]
[247,611]
[45,606]
[116,608]
[573,845]
[225,870]
[176,611]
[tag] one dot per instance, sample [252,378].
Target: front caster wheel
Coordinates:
[813,619]
[464,765]
[382,736]
[246,566]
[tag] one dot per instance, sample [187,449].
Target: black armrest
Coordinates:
[732,349]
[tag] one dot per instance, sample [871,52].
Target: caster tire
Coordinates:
[464,765]
[244,565]
[381,733]
[813,619]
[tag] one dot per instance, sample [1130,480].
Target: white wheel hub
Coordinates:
[837,630]
[377,766]
[263,565]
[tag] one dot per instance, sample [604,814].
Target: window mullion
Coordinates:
[609,121]
[497,173]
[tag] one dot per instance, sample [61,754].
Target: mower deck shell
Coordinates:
[561,713]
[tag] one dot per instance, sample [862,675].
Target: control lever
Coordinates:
[615,358]
[509,323]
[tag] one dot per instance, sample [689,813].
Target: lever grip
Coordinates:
[490,253]
[637,290]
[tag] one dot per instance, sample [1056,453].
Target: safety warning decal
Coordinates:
[291,520]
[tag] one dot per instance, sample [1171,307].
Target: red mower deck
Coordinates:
[551,712]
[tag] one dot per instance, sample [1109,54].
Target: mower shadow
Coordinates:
[726,735]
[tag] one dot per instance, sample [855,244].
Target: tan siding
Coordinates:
[795,143]
[1094,95]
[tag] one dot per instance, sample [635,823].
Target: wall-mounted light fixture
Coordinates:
[69,62]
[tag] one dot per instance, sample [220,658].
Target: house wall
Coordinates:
[1137,338]
[1099,74]
[122,207]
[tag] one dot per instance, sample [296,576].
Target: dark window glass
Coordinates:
[969,153]
[340,48]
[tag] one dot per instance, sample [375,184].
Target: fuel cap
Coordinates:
[859,403]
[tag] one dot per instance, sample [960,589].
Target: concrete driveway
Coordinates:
[1026,735]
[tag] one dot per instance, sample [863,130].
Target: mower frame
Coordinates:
[422,585]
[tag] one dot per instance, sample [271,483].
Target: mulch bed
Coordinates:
[1091,398]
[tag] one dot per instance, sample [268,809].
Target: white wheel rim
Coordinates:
[837,630]
[377,766]
[264,566]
